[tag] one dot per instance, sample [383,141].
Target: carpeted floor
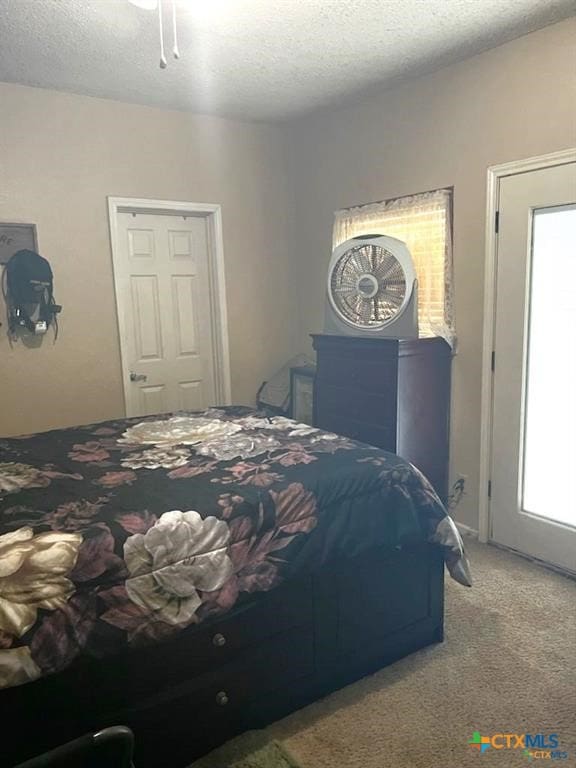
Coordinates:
[507,665]
[252,750]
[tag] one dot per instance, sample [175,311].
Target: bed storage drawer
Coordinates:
[370,610]
[357,625]
[141,672]
[215,702]
[249,625]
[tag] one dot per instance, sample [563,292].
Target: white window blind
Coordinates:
[424,223]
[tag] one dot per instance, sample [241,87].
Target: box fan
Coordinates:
[372,289]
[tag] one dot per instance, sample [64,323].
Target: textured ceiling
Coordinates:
[255,59]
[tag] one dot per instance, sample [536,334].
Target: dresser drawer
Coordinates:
[357,372]
[333,420]
[356,405]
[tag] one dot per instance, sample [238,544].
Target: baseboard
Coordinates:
[542,563]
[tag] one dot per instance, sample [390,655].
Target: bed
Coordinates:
[197,574]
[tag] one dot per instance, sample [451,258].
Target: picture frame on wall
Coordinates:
[302,394]
[15,237]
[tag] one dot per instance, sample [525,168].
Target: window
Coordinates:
[550,411]
[424,223]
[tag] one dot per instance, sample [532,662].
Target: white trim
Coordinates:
[535,560]
[213,214]
[495,173]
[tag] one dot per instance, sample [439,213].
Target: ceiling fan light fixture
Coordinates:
[158,5]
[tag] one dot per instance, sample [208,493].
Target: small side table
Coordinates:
[302,393]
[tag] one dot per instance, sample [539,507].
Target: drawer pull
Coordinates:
[218,640]
[222,698]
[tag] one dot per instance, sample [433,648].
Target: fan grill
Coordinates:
[368,286]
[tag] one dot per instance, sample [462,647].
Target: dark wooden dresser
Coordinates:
[391,393]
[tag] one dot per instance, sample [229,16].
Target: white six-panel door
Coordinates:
[165,312]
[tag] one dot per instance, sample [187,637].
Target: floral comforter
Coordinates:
[124,533]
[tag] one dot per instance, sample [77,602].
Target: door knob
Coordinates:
[138,377]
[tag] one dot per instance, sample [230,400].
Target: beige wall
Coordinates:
[60,157]
[513,102]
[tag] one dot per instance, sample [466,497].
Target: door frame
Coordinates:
[494,174]
[212,212]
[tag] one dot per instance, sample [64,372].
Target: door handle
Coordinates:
[138,377]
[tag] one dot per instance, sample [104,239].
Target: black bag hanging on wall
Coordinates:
[28,288]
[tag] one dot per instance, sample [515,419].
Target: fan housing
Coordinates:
[372,289]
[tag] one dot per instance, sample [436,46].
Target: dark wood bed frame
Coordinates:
[266,658]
